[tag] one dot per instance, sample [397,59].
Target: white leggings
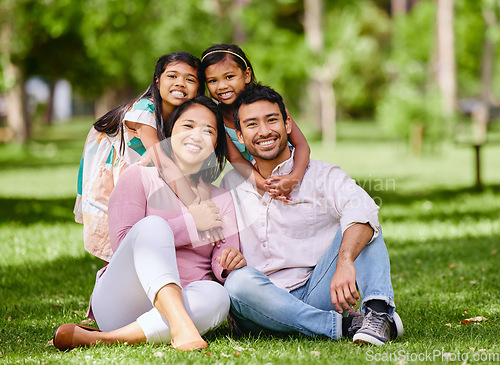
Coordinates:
[143,264]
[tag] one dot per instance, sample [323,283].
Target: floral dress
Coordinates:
[100,167]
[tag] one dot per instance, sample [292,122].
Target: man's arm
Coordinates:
[343,286]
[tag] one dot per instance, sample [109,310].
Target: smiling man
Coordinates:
[307,258]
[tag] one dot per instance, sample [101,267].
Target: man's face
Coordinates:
[263,130]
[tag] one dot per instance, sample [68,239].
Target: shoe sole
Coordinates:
[399,324]
[365,339]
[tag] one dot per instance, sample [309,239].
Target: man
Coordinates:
[305,257]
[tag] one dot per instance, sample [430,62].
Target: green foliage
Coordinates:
[469,33]
[404,107]
[283,62]
[412,100]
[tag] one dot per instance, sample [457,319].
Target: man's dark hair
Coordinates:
[253,93]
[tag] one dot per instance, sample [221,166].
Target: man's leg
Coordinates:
[381,323]
[373,276]
[259,305]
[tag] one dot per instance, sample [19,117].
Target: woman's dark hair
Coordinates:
[111,122]
[214,164]
[210,57]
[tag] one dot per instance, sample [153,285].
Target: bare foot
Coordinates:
[188,341]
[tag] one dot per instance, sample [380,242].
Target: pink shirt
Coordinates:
[286,240]
[140,192]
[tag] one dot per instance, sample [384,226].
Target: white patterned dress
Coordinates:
[100,167]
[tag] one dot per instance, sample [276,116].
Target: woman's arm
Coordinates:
[173,176]
[228,257]
[243,166]
[279,187]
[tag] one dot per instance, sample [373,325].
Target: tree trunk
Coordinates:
[321,96]
[233,14]
[239,35]
[488,57]
[399,7]
[17,115]
[328,112]
[105,103]
[313,25]
[446,70]
[48,117]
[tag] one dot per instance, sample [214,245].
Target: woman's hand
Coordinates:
[231,259]
[206,215]
[280,187]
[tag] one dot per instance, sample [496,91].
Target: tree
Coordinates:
[445,61]
[321,95]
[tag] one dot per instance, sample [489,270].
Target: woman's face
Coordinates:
[225,80]
[194,137]
[178,83]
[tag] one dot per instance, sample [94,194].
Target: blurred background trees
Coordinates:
[409,65]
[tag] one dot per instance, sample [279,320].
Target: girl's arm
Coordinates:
[172,175]
[279,187]
[243,166]
[167,168]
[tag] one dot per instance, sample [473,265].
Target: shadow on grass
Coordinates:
[40,155]
[36,297]
[444,204]
[29,210]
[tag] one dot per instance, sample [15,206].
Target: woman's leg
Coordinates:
[170,304]
[206,303]
[142,272]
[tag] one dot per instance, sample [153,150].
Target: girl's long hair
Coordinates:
[214,164]
[111,122]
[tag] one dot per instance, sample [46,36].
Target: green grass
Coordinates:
[443,237]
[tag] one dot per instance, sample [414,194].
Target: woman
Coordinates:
[158,285]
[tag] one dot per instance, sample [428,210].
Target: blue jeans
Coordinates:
[259,306]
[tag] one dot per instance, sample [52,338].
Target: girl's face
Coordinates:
[194,137]
[178,83]
[225,80]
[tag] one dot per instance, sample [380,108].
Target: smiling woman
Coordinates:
[194,137]
[171,295]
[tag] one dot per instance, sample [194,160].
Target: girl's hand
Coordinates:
[206,215]
[280,187]
[215,235]
[231,259]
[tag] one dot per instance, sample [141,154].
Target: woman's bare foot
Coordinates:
[188,340]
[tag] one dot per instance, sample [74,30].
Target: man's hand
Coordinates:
[343,287]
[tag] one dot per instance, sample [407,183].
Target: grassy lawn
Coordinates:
[443,238]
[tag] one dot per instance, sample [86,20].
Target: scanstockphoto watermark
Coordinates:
[433,355]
